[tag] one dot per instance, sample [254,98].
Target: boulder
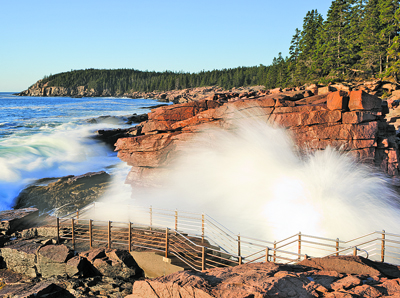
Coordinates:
[79,266]
[21,257]
[52,260]
[274,280]
[324,90]
[343,264]
[39,289]
[338,100]
[359,100]
[17,220]
[77,191]
[116,264]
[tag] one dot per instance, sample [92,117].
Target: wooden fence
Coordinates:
[202,243]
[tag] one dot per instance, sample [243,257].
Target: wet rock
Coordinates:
[77,191]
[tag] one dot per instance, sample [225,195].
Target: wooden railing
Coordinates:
[202,243]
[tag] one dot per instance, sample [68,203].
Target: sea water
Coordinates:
[44,137]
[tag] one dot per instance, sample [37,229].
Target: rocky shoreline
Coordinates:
[175,96]
[34,264]
[354,115]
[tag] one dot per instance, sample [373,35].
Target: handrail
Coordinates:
[202,227]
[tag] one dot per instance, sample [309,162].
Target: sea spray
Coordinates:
[254,180]
[65,150]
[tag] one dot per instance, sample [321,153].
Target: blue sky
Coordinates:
[47,37]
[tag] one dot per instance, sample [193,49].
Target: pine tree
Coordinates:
[336,48]
[312,24]
[394,52]
[388,23]
[372,50]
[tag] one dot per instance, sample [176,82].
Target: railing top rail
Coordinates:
[322,238]
[363,236]
[295,235]
[388,234]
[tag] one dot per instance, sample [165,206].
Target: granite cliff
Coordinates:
[351,118]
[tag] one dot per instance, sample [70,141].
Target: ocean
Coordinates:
[45,137]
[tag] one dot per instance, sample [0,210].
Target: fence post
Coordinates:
[239,251]
[203,258]
[355,251]
[166,243]
[90,233]
[58,230]
[202,228]
[299,251]
[337,246]
[240,260]
[274,251]
[176,221]
[383,247]
[151,217]
[73,233]
[109,234]
[267,254]
[77,213]
[130,237]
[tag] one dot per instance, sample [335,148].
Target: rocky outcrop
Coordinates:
[55,267]
[350,120]
[357,278]
[76,191]
[15,220]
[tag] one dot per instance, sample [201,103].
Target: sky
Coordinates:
[39,38]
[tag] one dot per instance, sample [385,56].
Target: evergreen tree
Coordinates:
[372,50]
[312,24]
[394,53]
[336,49]
[389,25]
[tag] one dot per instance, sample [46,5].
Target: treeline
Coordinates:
[358,38]
[128,80]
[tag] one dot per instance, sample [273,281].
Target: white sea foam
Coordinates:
[65,150]
[254,181]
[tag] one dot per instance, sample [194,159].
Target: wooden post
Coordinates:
[274,251]
[151,217]
[166,243]
[240,260]
[58,230]
[202,228]
[130,237]
[383,247]
[109,234]
[203,258]
[176,221]
[355,251]
[90,233]
[305,257]
[77,213]
[299,241]
[267,254]
[337,246]
[73,233]
[239,252]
